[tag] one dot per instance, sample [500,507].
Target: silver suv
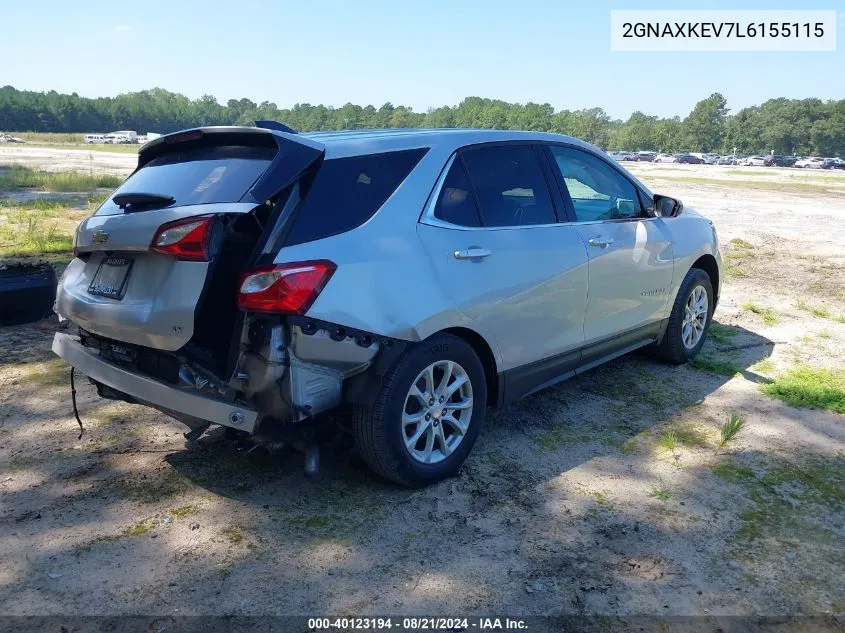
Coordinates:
[255,278]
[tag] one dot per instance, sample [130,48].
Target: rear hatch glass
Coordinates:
[198,175]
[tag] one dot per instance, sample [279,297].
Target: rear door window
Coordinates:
[509,185]
[200,175]
[346,192]
[456,204]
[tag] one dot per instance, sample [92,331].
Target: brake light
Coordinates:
[288,288]
[185,239]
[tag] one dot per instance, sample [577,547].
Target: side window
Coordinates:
[456,204]
[346,192]
[598,191]
[509,185]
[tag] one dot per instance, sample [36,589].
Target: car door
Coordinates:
[630,253]
[492,232]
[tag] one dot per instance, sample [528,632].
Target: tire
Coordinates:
[672,348]
[381,435]
[27,292]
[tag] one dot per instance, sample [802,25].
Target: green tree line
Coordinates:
[784,126]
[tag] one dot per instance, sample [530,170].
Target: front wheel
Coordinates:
[427,414]
[689,320]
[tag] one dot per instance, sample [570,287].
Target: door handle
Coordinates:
[601,242]
[473,253]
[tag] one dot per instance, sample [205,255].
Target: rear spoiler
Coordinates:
[294,154]
[275,125]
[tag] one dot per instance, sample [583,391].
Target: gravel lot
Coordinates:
[570,503]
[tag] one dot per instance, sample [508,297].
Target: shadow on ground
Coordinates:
[560,509]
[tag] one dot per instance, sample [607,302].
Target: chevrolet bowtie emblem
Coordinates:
[100,237]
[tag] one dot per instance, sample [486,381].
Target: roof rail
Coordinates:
[275,125]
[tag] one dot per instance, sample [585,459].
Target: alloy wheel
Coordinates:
[695,317]
[437,412]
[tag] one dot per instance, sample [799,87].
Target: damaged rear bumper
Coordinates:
[150,391]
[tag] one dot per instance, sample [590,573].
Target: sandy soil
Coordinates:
[568,504]
[68,159]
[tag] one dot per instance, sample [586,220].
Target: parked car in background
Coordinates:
[256,278]
[706,157]
[754,161]
[688,159]
[5,138]
[725,160]
[780,161]
[116,139]
[621,155]
[665,158]
[837,163]
[97,139]
[813,162]
[645,157]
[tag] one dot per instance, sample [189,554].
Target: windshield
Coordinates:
[201,175]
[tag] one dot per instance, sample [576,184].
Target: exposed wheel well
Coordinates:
[708,264]
[485,354]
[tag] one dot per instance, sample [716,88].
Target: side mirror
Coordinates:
[666,207]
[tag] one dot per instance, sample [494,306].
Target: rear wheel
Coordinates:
[427,414]
[690,319]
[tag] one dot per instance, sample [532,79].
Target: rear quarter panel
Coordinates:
[385,282]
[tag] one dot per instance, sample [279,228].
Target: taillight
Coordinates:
[185,239]
[288,288]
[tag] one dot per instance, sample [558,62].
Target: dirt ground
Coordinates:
[574,500]
[68,159]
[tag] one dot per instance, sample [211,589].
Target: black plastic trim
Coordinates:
[527,379]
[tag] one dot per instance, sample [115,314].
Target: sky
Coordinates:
[415,53]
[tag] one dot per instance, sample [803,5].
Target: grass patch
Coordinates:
[139,529]
[741,243]
[722,334]
[730,472]
[668,441]
[47,373]
[183,512]
[33,235]
[233,535]
[713,365]
[787,497]
[17,177]
[562,435]
[733,265]
[691,437]
[152,489]
[765,366]
[770,316]
[661,494]
[819,311]
[91,147]
[810,387]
